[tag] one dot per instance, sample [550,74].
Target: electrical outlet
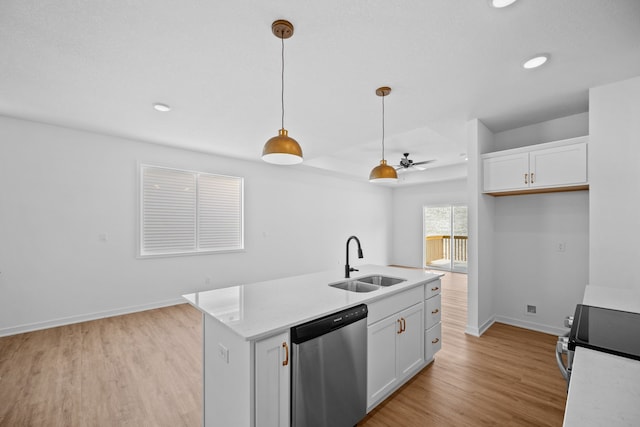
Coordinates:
[561,246]
[223,352]
[531,309]
[207,280]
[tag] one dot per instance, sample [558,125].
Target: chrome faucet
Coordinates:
[347,268]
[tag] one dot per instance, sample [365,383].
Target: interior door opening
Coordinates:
[445,237]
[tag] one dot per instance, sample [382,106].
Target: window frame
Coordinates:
[142,254]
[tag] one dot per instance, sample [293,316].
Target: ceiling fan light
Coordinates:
[282,150]
[383,173]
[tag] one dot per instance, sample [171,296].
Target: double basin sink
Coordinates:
[367,283]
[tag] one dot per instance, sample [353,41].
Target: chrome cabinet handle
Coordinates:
[436,341]
[286,352]
[436,311]
[526,178]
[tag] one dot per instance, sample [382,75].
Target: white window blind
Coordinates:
[189,212]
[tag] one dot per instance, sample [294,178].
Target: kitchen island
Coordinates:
[246,338]
[605,389]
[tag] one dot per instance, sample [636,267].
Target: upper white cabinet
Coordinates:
[554,166]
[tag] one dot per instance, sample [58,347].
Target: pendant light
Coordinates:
[282,149]
[383,172]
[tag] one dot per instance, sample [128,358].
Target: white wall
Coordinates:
[408,240]
[614,159]
[527,268]
[480,311]
[62,188]
[538,133]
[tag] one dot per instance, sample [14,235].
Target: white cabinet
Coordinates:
[554,166]
[432,320]
[506,172]
[433,311]
[410,341]
[565,165]
[272,384]
[433,341]
[246,383]
[382,362]
[395,343]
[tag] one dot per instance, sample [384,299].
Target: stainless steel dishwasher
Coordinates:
[329,370]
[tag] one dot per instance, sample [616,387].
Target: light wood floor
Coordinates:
[507,377]
[144,369]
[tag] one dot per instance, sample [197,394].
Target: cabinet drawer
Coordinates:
[432,341]
[432,288]
[378,310]
[433,312]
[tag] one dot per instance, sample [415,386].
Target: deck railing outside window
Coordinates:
[439,247]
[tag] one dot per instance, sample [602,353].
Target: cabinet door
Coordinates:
[559,166]
[272,381]
[503,173]
[410,347]
[381,358]
[433,341]
[433,313]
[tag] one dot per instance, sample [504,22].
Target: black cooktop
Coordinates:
[611,331]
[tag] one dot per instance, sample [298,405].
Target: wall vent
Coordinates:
[531,309]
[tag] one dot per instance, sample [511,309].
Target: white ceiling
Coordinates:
[100,65]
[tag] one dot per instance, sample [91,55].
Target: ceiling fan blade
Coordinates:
[420,168]
[423,163]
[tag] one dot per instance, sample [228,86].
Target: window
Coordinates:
[184,212]
[445,237]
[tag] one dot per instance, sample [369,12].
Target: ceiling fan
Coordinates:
[407,164]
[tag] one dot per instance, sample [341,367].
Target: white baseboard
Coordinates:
[30,327]
[476,332]
[551,330]
[539,327]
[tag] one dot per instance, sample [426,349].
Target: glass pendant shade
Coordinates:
[282,150]
[383,173]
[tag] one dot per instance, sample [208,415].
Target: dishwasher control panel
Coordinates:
[331,322]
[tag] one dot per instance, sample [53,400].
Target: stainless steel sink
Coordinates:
[379,280]
[355,286]
[367,283]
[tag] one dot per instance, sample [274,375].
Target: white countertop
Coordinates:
[605,389]
[260,309]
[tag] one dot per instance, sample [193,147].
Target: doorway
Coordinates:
[445,237]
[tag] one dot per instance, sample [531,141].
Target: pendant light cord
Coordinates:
[282,83]
[382,127]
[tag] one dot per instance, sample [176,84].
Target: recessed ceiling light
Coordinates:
[501,3]
[161,107]
[535,62]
